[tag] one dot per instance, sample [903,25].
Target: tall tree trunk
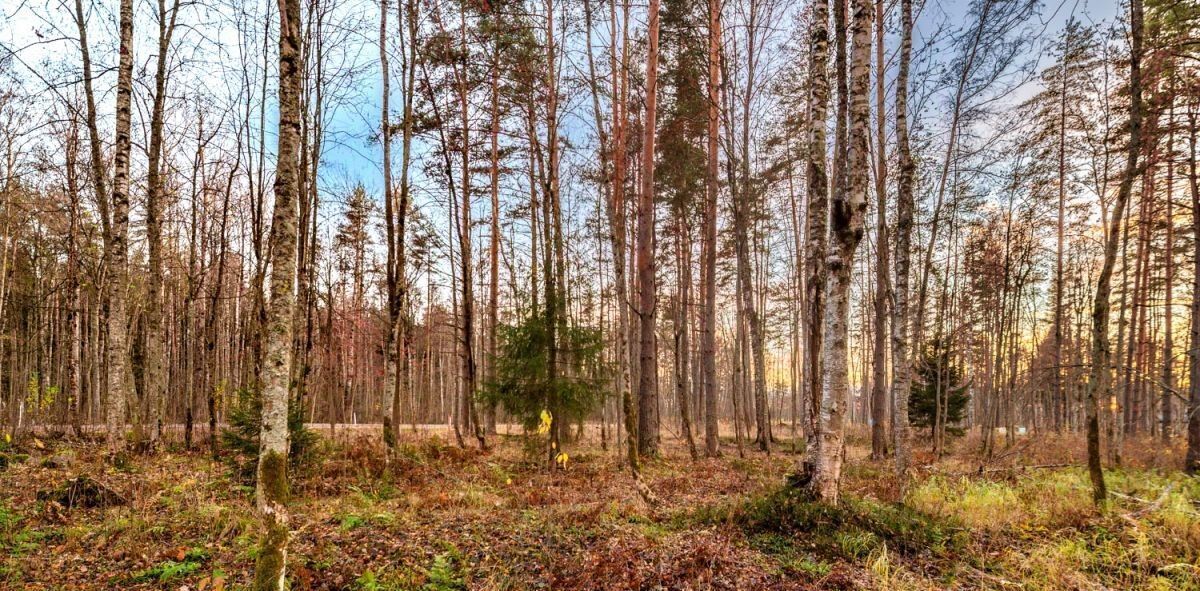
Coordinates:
[848,207]
[272,490]
[155,376]
[1099,382]
[708,319]
[406,13]
[795,363]
[210,325]
[682,350]
[743,209]
[195,378]
[1056,375]
[1192,461]
[552,257]
[120,382]
[391,337]
[879,386]
[469,377]
[1168,375]
[74,363]
[818,221]
[606,154]
[648,349]
[99,176]
[617,209]
[494,239]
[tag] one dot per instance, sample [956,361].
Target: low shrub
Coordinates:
[240,439]
[852,529]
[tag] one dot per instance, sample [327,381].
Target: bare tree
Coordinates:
[1099,382]
[155,373]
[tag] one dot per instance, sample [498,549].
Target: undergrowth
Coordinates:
[852,529]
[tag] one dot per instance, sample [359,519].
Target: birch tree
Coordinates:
[906,179]
[120,380]
[271,493]
[847,209]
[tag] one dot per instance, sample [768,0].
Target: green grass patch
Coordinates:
[448,571]
[790,558]
[850,530]
[370,580]
[171,570]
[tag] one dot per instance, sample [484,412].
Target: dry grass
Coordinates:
[437,517]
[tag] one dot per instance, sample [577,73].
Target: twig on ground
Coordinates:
[1151,506]
[994,579]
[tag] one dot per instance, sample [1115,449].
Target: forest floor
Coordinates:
[438,517]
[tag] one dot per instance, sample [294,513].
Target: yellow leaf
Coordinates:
[544,424]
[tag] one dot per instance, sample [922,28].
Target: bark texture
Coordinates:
[272,490]
[818,218]
[879,385]
[708,263]
[646,268]
[120,381]
[902,367]
[847,210]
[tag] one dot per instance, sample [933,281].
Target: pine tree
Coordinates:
[939,393]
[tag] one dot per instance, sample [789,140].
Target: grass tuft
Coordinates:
[852,529]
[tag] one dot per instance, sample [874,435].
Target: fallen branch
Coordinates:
[994,579]
[1150,506]
[1177,566]
[1024,468]
[644,491]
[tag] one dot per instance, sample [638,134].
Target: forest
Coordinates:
[435,295]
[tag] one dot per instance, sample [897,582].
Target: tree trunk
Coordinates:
[272,491]
[389,223]
[818,220]
[155,376]
[743,209]
[120,382]
[1168,375]
[879,386]
[848,207]
[1192,461]
[469,377]
[210,326]
[648,349]
[682,349]
[1056,375]
[1099,385]
[74,362]
[406,14]
[553,252]
[708,318]
[494,244]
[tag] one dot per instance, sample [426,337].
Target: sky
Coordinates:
[39,32]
